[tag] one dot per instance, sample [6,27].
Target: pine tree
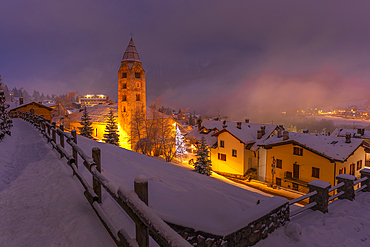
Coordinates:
[86,130]
[5,121]
[180,145]
[203,163]
[111,136]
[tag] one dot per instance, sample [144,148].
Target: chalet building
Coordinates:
[34,108]
[293,160]
[234,145]
[89,100]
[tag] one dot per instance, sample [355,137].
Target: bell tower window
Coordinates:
[124,97]
[124,85]
[137,97]
[137,75]
[124,75]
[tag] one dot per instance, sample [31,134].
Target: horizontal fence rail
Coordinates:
[133,203]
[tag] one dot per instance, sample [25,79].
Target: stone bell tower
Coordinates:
[131,94]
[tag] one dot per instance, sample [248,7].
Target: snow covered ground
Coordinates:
[41,203]
[346,224]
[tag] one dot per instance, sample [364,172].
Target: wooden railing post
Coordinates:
[74,134]
[61,137]
[349,192]
[322,196]
[53,131]
[97,159]
[141,189]
[366,173]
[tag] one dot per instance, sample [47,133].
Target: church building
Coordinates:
[131,95]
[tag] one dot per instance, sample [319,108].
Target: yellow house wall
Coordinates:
[37,110]
[305,162]
[98,128]
[232,164]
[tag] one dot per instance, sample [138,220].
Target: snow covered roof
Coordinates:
[31,103]
[131,53]
[247,133]
[354,133]
[210,139]
[98,113]
[331,147]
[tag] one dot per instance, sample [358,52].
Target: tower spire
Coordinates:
[131,53]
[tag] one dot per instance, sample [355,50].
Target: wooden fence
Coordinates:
[319,191]
[134,204]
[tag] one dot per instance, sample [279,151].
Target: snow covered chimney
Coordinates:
[280,134]
[305,131]
[285,135]
[361,131]
[247,120]
[20,100]
[199,124]
[239,125]
[348,137]
[259,134]
[224,124]
[263,129]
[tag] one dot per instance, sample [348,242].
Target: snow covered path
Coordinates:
[41,203]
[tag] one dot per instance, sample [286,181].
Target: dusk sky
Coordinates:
[235,57]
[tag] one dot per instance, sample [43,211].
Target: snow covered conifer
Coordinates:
[203,163]
[5,121]
[180,145]
[86,130]
[111,136]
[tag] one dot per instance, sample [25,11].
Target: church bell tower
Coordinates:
[131,94]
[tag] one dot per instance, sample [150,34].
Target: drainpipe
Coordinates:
[335,169]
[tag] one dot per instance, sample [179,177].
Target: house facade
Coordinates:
[292,160]
[34,108]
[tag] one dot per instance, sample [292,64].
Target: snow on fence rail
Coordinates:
[134,204]
[319,197]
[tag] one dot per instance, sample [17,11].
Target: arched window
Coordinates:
[124,97]
[137,75]
[137,97]
[124,75]
[124,85]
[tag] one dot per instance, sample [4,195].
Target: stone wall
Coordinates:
[247,236]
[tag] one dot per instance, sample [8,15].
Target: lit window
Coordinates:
[342,170]
[298,151]
[352,169]
[234,153]
[315,172]
[222,157]
[359,165]
[222,144]
[279,163]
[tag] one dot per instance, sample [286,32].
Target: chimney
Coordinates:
[247,120]
[263,129]
[224,124]
[280,134]
[20,100]
[305,131]
[361,131]
[259,134]
[239,125]
[285,135]
[348,137]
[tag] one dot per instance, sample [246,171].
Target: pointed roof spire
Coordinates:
[131,53]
